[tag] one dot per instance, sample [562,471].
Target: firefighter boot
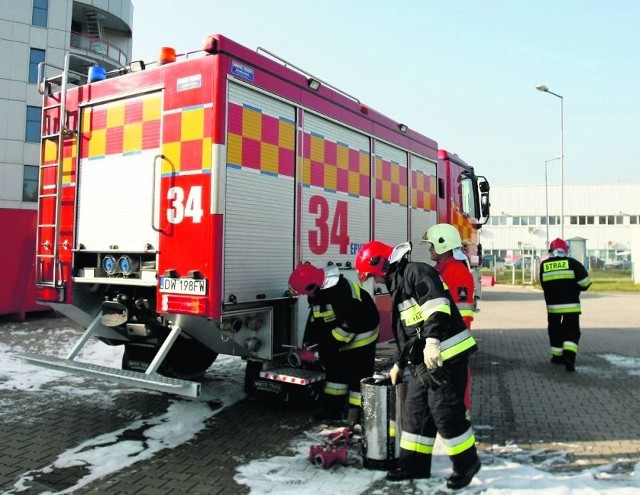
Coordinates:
[353,420]
[569,360]
[462,477]
[411,467]
[332,408]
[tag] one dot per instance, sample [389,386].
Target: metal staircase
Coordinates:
[94,24]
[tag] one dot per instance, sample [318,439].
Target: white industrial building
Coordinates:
[33,31]
[601,220]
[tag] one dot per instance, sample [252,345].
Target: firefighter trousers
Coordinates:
[427,412]
[564,335]
[344,371]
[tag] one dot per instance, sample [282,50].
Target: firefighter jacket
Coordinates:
[422,307]
[342,317]
[562,279]
[459,281]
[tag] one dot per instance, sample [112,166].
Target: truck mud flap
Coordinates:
[152,381]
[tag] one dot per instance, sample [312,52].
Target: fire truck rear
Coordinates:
[176,198]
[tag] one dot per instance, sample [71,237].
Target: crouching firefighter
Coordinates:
[343,323]
[433,341]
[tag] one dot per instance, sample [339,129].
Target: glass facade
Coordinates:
[40,13]
[30,183]
[35,57]
[32,131]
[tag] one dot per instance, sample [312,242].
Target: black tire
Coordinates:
[187,358]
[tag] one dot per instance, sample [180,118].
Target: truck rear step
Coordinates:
[152,381]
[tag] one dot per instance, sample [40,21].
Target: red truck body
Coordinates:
[175,201]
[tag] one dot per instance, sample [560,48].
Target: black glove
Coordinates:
[433,379]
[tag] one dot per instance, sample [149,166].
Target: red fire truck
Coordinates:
[176,198]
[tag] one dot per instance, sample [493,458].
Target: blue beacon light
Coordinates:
[96,73]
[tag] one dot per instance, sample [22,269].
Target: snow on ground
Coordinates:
[505,470]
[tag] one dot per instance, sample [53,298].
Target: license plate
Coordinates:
[191,286]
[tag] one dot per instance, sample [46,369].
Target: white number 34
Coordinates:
[179,208]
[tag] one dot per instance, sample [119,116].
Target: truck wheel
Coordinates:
[187,358]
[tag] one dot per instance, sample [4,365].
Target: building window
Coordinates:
[611,220]
[573,220]
[543,220]
[554,220]
[591,220]
[619,219]
[602,220]
[40,13]
[633,219]
[35,57]
[30,183]
[520,221]
[582,220]
[32,133]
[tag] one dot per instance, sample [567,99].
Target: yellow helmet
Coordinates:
[444,237]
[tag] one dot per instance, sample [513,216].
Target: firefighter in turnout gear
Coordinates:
[445,247]
[343,322]
[434,343]
[562,279]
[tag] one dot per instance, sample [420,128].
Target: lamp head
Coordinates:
[542,87]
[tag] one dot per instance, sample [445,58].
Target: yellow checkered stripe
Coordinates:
[465,226]
[125,126]
[423,191]
[391,187]
[335,166]
[187,141]
[259,141]
[69,159]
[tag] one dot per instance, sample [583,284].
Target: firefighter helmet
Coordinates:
[306,279]
[559,244]
[373,259]
[444,237]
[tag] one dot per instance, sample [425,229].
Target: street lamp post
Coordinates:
[546,193]
[545,89]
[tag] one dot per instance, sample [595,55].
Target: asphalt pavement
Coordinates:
[518,397]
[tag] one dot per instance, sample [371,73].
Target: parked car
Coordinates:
[517,264]
[617,265]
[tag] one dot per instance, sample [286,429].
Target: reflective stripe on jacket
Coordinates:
[423,308]
[345,316]
[562,280]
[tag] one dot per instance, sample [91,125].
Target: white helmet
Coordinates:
[444,237]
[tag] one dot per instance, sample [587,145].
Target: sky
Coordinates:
[506,470]
[463,72]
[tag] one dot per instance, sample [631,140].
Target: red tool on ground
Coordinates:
[333,449]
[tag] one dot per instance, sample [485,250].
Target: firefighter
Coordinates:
[434,343]
[563,278]
[343,322]
[445,247]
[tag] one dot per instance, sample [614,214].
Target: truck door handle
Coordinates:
[156,159]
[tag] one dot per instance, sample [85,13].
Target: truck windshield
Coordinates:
[469,201]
